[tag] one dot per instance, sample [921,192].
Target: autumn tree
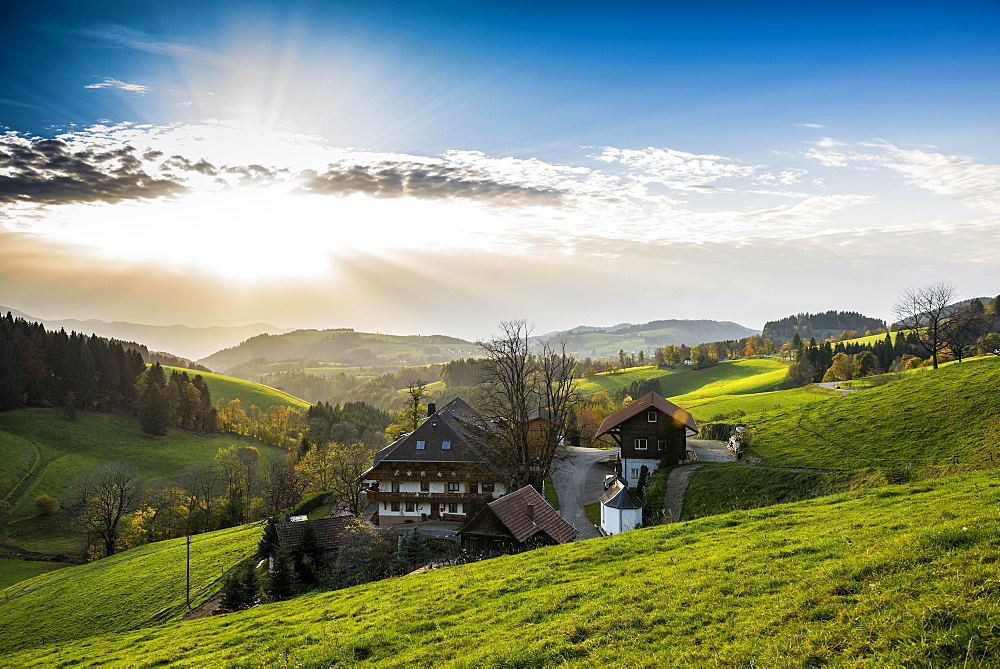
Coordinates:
[103,498]
[337,469]
[925,311]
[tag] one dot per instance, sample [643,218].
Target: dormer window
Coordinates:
[445,445]
[651,416]
[421,444]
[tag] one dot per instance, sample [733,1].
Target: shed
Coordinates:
[621,511]
[517,522]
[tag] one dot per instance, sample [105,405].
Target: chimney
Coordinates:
[531,512]
[431,408]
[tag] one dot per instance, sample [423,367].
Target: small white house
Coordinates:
[620,510]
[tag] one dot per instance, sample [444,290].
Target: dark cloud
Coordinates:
[182,163]
[48,171]
[253,173]
[434,182]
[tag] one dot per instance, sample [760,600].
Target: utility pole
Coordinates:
[187,595]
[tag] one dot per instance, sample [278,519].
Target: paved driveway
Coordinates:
[579,480]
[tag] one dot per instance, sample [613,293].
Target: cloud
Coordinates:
[973,184]
[426,181]
[120,85]
[48,171]
[810,125]
[676,169]
[149,43]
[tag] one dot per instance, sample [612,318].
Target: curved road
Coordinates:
[579,480]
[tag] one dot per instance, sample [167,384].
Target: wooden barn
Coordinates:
[519,521]
[649,431]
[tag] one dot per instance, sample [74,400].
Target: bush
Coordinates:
[46,505]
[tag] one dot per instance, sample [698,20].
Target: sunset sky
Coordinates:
[421,167]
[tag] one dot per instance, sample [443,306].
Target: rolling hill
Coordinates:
[586,341]
[901,575]
[248,392]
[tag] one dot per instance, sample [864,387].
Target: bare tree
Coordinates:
[283,483]
[962,330]
[519,385]
[199,482]
[104,497]
[337,468]
[925,311]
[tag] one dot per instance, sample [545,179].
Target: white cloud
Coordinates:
[811,125]
[676,169]
[120,85]
[973,184]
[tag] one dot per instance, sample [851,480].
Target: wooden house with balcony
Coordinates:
[650,431]
[435,472]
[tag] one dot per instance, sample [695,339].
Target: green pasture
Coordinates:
[610,382]
[720,488]
[247,392]
[706,408]
[904,575]
[135,589]
[928,417]
[15,571]
[69,448]
[731,377]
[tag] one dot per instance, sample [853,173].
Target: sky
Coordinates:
[440,167]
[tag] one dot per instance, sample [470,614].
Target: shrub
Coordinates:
[46,505]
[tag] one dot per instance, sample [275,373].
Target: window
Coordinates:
[425,486]
[651,417]
[395,506]
[420,444]
[635,473]
[395,486]
[409,506]
[640,444]
[453,486]
[488,487]
[453,508]
[661,445]
[445,445]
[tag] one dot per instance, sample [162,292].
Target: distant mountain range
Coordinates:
[592,341]
[192,343]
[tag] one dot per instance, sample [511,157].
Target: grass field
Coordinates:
[704,409]
[732,377]
[140,587]
[247,392]
[928,417]
[720,488]
[15,571]
[902,575]
[68,448]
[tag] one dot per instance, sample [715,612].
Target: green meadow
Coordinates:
[900,575]
[67,448]
[135,589]
[247,392]
[933,417]
[15,571]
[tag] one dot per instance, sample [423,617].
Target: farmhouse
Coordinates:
[517,522]
[435,472]
[649,431]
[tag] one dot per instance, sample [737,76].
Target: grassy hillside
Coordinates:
[606,343]
[610,382]
[15,571]
[68,448]
[246,391]
[684,384]
[706,408]
[900,575]
[140,587]
[926,417]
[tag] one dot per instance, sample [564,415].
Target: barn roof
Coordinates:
[644,403]
[512,512]
[619,497]
[330,533]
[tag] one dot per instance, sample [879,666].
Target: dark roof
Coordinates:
[619,497]
[512,512]
[455,423]
[650,401]
[544,414]
[330,532]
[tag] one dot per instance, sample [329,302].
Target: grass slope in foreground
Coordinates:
[900,575]
[140,587]
[247,392]
[931,417]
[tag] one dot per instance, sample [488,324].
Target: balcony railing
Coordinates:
[384,496]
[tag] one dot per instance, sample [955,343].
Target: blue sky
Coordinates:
[837,153]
